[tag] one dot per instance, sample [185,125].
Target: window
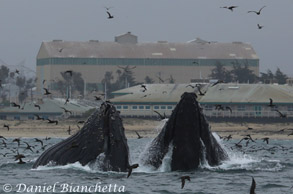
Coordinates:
[169,107]
[163,107]
[240,108]
[31,117]
[148,107]
[140,107]
[119,107]
[17,117]
[134,107]
[290,108]
[2,117]
[156,107]
[208,107]
[125,107]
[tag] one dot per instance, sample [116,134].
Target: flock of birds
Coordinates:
[257,12]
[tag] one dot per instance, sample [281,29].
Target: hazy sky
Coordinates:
[24,24]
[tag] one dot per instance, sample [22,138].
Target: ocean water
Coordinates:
[271,165]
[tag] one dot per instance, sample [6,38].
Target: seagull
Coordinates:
[229,108]
[266,139]
[69,130]
[161,116]
[230,7]
[138,136]
[66,111]
[66,101]
[271,103]
[37,106]
[130,169]
[15,105]
[189,85]
[60,50]
[28,147]
[183,178]
[17,71]
[17,140]
[7,126]
[38,117]
[281,114]
[52,121]
[219,81]
[38,140]
[144,87]
[19,157]
[2,137]
[98,98]
[109,15]
[46,91]
[257,12]
[259,26]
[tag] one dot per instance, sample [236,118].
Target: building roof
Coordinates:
[155,93]
[162,49]
[220,93]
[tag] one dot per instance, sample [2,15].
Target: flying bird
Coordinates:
[52,121]
[60,50]
[189,85]
[130,169]
[46,91]
[266,139]
[271,103]
[7,126]
[259,26]
[37,106]
[256,12]
[144,87]
[15,105]
[66,111]
[183,178]
[40,141]
[17,71]
[28,147]
[19,157]
[2,137]
[281,114]
[138,136]
[69,130]
[109,15]
[219,81]
[230,7]
[17,140]
[229,108]
[161,116]
[38,117]
[66,101]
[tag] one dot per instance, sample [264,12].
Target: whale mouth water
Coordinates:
[102,133]
[188,131]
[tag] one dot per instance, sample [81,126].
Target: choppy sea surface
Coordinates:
[271,165]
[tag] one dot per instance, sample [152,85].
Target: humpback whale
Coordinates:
[103,132]
[187,130]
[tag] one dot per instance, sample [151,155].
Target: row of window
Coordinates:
[17,117]
[128,61]
[243,108]
[144,107]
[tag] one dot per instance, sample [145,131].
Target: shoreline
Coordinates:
[146,128]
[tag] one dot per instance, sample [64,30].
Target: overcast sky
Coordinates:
[24,24]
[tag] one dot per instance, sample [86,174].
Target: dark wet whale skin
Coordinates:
[103,132]
[188,131]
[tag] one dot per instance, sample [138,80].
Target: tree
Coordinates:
[243,74]
[20,82]
[4,72]
[148,80]
[280,77]
[220,73]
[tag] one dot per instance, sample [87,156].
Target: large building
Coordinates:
[161,60]
[250,101]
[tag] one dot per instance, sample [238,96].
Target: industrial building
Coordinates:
[245,100]
[160,60]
